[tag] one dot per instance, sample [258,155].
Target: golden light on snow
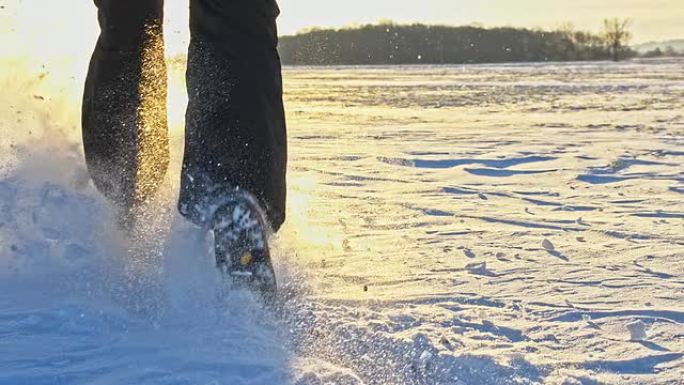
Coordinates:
[523,221]
[56,39]
[317,239]
[153,137]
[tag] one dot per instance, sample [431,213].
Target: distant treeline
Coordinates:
[669,51]
[389,43]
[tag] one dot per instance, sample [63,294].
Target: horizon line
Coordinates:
[475,24]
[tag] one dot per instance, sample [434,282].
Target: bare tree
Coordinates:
[616,34]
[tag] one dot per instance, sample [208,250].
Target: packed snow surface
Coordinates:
[467,225]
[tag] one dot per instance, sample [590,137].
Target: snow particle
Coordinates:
[424,361]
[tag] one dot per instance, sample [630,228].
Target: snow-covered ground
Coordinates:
[470,225]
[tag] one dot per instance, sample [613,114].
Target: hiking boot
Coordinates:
[241,244]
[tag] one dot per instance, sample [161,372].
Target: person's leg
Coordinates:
[235,125]
[124,105]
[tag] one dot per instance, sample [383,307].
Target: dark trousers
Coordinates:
[235,125]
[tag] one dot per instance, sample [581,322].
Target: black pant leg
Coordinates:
[235,124]
[124,104]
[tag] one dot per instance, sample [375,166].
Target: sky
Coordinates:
[652,19]
[69,27]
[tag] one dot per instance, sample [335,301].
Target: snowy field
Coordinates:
[465,225]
